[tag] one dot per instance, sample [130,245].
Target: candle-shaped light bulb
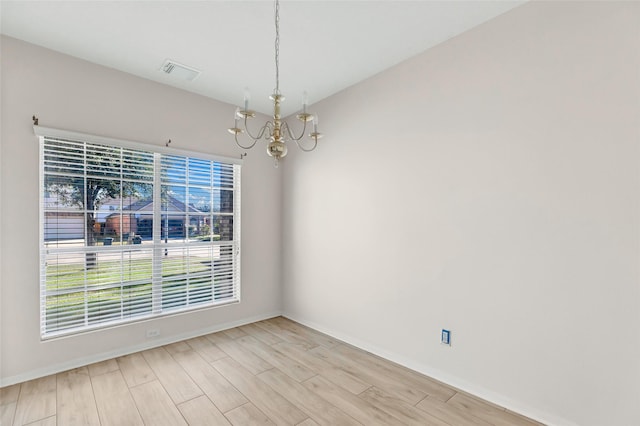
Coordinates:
[236,115]
[315,123]
[247,96]
[305,101]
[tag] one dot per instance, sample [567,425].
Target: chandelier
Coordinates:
[276,131]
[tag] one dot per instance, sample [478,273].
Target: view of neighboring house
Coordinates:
[137,219]
[124,218]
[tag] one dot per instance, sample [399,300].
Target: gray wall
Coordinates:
[489,186]
[71,94]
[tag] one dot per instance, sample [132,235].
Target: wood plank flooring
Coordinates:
[273,372]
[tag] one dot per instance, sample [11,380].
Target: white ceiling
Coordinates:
[326,46]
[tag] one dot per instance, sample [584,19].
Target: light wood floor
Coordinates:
[273,372]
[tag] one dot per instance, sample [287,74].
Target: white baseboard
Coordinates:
[456,382]
[80,362]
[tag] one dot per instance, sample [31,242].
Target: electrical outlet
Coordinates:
[445,337]
[154,332]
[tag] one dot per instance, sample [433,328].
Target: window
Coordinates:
[130,232]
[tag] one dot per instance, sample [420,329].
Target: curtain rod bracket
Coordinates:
[35,120]
[168,142]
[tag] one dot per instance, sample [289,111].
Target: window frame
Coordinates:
[156,248]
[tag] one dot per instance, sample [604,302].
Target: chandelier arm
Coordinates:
[290,133]
[242,146]
[315,144]
[260,133]
[286,130]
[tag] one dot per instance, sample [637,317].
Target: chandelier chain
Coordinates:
[277,47]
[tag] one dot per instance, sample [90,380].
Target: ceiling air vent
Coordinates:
[180,71]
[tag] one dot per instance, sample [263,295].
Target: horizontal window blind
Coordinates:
[131,233]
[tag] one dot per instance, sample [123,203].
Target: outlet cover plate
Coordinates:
[154,332]
[445,337]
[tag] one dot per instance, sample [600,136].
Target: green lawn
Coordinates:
[131,297]
[67,276]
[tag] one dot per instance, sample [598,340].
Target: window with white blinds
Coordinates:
[130,232]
